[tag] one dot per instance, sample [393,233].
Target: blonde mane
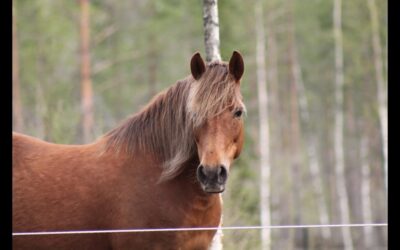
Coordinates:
[165,126]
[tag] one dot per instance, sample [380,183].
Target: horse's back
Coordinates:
[39,155]
[31,157]
[38,183]
[51,193]
[25,149]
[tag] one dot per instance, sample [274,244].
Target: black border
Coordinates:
[6,135]
[393,89]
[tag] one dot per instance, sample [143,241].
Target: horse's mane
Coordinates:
[165,126]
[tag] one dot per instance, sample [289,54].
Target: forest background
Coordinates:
[137,48]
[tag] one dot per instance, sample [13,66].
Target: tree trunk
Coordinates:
[311,149]
[17,107]
[211,30]
[381,86]
[312,154]
[338,131]
[314,166]
[211,43]
[366,194]
[274,114]
[264,129]
[86,84]
[294,129]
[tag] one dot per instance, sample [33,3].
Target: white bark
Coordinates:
[366,194]
[273,102]
[296,163]
[264,129]
[211,42]
[381,86]
[211,30]
[338,132]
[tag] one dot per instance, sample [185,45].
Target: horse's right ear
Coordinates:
[197,66]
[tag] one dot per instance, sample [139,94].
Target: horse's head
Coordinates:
[216,109]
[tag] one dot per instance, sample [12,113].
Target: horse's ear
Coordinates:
[197,66]
[236,65]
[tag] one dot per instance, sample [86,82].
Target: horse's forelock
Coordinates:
[213,93]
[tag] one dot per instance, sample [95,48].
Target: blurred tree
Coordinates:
[17,107]
[296,164]
[366,194]
[274,116]
[338,133]
[309,136]
[381,86]
[86,83]
[264,141]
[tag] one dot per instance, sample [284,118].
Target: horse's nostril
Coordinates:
[201,175]
[212,175]
[222,174]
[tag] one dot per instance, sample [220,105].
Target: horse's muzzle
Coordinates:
[212,179]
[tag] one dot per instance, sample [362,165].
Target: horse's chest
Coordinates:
[197,240]
[210,217]
[207,214]
[176,209]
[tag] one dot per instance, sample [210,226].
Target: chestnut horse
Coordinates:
[163,167]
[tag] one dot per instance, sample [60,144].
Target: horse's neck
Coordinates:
[150,168]
[182,192]
[202,209]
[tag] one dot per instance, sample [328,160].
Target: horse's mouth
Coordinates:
[215,189]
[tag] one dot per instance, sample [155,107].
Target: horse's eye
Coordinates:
[238,113]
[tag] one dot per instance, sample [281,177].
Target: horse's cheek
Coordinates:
[239,144]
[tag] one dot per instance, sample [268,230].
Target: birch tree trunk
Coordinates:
[312,154]
[311,149]
[17,107]
[296,164]
[211,43]
[86,84]
[366,194]
[211,30]
[381,88]
[264,129]
[274,113]
[338,131]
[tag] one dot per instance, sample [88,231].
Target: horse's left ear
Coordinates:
[236,65]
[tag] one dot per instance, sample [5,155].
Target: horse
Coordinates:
[163,167]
